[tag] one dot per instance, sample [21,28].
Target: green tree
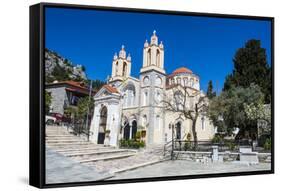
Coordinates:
[227,110]
[48,101]
[96,84]
[210,92]
[250,66]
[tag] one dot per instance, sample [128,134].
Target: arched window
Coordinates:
[178,81]
[148,57]
[203,123]
[157,122]
[124,73]
[116,69]
[146,80]
[158,81]
[192,82]
[129,96]
[185,80]
[145,98]
[158,58]
[144,120]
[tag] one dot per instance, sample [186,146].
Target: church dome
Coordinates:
[182,70]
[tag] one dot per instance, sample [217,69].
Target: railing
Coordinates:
[79,129]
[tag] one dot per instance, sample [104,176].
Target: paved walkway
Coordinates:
[60,169]
[181,167]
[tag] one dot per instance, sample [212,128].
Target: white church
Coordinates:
[127,104]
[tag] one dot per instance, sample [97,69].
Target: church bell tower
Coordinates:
[121,66]
[153,55]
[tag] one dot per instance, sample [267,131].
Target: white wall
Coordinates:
[14,105]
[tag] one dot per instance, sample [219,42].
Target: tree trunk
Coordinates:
[194,133]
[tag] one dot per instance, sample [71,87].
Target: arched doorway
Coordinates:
[134,129]
[126,132]
[102,125]
[178,130]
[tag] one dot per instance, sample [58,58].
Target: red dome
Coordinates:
[182,70]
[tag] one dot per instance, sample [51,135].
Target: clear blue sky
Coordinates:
[204,45]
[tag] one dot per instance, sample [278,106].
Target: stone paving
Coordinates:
[182,167]
[61,169]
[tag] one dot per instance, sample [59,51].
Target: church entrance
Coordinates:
[134,129]
[102,125]
[178,130]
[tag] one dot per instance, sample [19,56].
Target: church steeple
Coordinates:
[153,55]
[121,65]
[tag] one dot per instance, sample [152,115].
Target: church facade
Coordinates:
[127,104]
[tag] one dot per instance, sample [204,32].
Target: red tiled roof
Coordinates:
[75,86]
[110,88]
[182,70]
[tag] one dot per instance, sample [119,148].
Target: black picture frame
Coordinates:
[37,85]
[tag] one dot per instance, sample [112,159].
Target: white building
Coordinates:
[127,104]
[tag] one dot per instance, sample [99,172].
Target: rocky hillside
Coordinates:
[61,69]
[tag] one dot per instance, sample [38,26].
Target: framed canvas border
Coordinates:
[37,85]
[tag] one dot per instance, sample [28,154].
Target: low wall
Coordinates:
[225,156]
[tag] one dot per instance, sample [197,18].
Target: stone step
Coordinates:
[100,152]
[106,158]
[92,147]
[66,141]
[68,144]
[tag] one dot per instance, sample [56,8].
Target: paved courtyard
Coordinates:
[182,167]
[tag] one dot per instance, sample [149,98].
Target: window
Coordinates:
[124,73]
[203,123]
[157,122]
[146,80]
[158,81]
[158,58]
[144,120]
[178,81]
[145,98]
[185,80]
[192,82]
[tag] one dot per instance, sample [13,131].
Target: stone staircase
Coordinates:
[103,159]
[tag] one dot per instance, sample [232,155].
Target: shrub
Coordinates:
[133,144]
[217,139]
[267,144]
[231,145]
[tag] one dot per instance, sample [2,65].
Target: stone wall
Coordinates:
[225,156]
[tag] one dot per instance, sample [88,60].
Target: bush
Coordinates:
[267,144]
[217,139]
[133,144]
[231,145]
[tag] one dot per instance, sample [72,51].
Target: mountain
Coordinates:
[58,68]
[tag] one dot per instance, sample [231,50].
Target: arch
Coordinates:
[129,95]
[185,80]
[102,125]
[178,80]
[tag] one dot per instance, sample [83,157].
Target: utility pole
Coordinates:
[87,119]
